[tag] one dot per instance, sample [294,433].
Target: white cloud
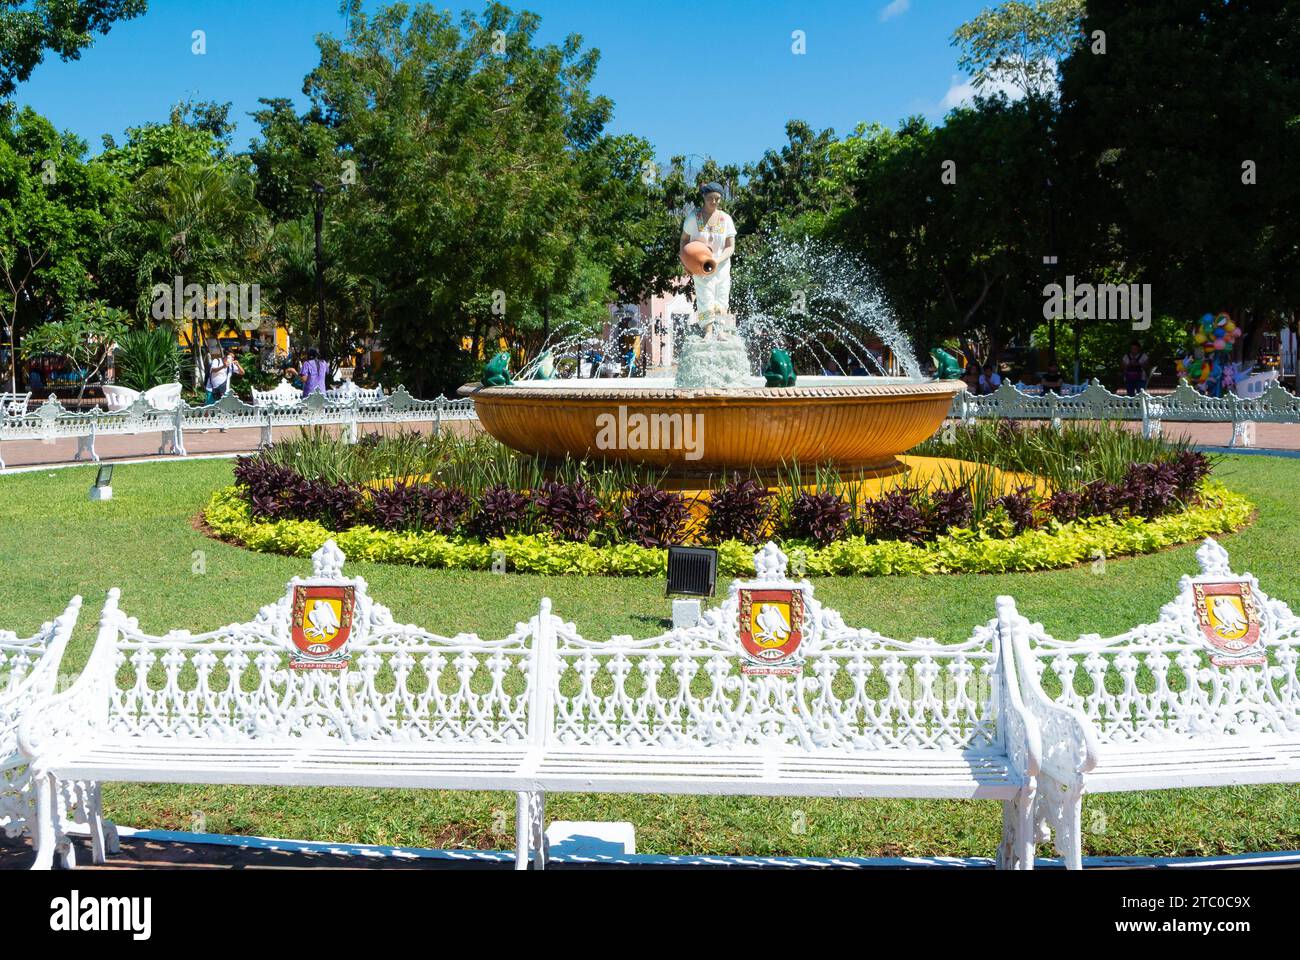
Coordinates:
[896,9]
[961,90]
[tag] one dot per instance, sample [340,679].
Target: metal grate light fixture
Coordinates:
[103,486]
[692,571]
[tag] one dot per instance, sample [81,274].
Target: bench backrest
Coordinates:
[709,685]
[348,391]
[769,668]
[14,404]
[284,394]
[274,678]
[1220,661]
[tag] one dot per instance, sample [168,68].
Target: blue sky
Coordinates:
[865,60]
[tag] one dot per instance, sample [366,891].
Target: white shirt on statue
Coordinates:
[716,233]
[712,292]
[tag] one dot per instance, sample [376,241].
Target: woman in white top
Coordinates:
[220,369]
[715,228]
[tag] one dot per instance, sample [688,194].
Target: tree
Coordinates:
[635,215]
[65,27]
[291,153]
[1191,183]
[956,252]
[468,212]
[85,338]
[795,184]
[1018,45]
[197,222]
[54,210]
[194,134]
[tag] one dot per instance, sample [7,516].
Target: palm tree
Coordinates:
[199,222]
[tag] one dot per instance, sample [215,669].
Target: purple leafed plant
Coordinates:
[1066,505]
[1149,489]
[738,510]
[1191,468]
[442,509]
[568,510]
[501,511]
[395,507]
[1019,506]
[819,517]
[1099,498]
[947,509]
[895,516]
[653,517]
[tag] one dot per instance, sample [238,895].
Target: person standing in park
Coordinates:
[221,367]
[314,373]
[1133,365]
[714,228]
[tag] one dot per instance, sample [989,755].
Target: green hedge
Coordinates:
[985,550]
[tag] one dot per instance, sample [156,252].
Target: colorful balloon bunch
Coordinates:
[1207,367]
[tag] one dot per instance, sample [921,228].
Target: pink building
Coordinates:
[662,321]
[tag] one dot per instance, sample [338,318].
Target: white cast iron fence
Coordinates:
[52,421]
[1095,402]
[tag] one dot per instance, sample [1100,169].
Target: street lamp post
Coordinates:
[318,189]
[13,358]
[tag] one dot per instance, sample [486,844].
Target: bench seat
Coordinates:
[249,764]
[1193,764]
[480,767]
[933,773]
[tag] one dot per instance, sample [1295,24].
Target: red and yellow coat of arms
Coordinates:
[771,630]
[1228,616]
[320,625]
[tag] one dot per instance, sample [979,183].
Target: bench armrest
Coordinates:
[1019,726]
[41,681]
[75,714]
[1070,743]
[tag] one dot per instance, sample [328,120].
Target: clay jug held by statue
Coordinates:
[698,259]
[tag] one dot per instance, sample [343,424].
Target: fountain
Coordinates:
[718,414]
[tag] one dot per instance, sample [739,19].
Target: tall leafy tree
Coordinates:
[468,209]
[1017,46]
[953,218]
[194,133]
[1183,146]
[54,211]
[796,183]
[31,28]
[198,222]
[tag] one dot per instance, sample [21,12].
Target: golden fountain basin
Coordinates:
[861,423]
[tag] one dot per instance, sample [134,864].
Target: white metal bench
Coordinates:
[29,673]
[284,394]
[769,695]
[349,392]
[14,404]
[119,398]
[1206,696]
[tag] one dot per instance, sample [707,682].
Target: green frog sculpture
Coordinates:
[779,371]
[545,369]
[496,372]
[947,367]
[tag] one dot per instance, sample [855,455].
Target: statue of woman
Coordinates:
[715,228]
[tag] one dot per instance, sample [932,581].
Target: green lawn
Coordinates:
[54,543]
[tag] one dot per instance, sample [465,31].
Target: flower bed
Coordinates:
[1077,494]
[990,548]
